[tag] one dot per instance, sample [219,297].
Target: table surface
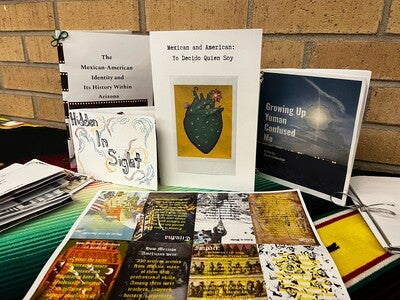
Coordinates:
[26,248]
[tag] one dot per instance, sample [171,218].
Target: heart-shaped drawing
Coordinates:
[203,121]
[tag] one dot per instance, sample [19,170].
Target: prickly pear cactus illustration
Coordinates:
[203,121]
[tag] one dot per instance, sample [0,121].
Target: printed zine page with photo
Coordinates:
[281,218]
[103,257]
[154,270]
[206,87]
[111,214]
[223,218]
[308,127]
[295,264]
[167,217]
[226,271]
[83,269]
[90,258]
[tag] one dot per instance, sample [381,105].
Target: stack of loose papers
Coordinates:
[378,200]
[31,189]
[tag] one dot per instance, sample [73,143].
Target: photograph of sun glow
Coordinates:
[306,129]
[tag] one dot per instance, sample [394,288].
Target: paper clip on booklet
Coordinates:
[378,200]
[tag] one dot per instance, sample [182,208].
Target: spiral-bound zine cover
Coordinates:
[103,69]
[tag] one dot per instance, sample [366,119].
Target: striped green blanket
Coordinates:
[365,267]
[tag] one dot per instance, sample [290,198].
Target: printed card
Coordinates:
[300,272]
[116,147]
[206,87]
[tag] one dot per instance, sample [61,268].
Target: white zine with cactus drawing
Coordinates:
[206,86]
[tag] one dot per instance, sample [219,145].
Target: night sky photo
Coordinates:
[306,129]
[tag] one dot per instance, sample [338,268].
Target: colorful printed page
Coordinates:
[167,217]
[154,271]
[118,147]
[206,86]
[111,215]
[223,218]
[300,272]
[226,271]
[83,269]
[162,260]
[281,218]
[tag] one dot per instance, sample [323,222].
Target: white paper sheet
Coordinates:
[380,198]
[29,173]
[106,67]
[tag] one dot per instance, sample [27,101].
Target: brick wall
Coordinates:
[357,34]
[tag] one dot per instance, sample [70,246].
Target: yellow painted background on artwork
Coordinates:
[223,148]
